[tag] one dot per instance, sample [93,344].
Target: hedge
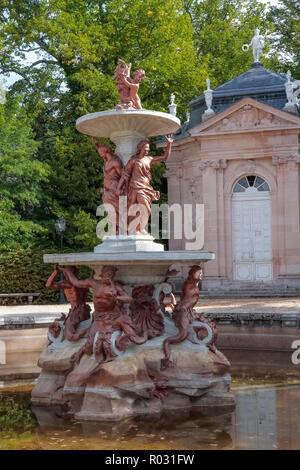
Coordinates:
[23,270]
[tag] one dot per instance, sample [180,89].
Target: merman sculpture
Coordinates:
[79,311]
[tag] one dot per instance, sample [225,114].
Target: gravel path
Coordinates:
[264,305]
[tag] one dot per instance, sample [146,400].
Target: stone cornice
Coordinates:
[282,159]
[174,171]
[255,319]
[222,163]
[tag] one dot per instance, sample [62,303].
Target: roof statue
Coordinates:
[172,105]
[292,91]
[208,94]
[257,43]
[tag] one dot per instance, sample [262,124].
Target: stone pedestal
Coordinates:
[208,113]
[128,244]
[290,108]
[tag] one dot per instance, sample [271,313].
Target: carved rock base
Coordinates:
[135,385]
[134,382]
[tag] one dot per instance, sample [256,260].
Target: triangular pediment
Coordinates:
[244,116]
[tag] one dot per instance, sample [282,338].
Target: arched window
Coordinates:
[250,181]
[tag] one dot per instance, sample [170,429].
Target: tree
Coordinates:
[286,17]
[79,44]
[21,175]
[74,46]
[221,27]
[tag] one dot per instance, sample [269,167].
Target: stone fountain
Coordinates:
[139,351]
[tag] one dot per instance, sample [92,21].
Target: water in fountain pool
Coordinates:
[266,417]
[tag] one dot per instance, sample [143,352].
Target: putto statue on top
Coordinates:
[257,43]
[128,87]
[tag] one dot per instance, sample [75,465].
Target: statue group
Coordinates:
[139,351]
[128,87]
[131,181]
[110,315]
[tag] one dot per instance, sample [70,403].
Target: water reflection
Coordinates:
[265,418]
[167,431]
[268,418]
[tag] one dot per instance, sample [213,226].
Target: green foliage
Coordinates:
[221,27]
[86,230]
[15,412]
[65,53]
[286,17]
[79,44]
[23,270]
[21,176]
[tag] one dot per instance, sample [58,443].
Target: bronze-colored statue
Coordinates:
[172,302]
[79,311]
[202,333]
[128,87]
[183,314]
[109,316]
[144,312]
[134,85]
[112,170]
[137,176]
[54,329]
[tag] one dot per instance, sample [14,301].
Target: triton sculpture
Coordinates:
[79,311]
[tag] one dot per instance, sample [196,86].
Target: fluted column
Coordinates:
[288,208]
[221,259]
[209,179]
[174,176]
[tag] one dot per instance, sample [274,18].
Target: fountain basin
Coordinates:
[136,267]
[126,128]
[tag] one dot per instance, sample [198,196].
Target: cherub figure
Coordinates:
[128,87]
[134,85]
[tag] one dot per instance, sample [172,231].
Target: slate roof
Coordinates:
[258,83]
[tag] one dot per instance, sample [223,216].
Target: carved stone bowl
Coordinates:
[126,128]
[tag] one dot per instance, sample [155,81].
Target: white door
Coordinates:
[251,235]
